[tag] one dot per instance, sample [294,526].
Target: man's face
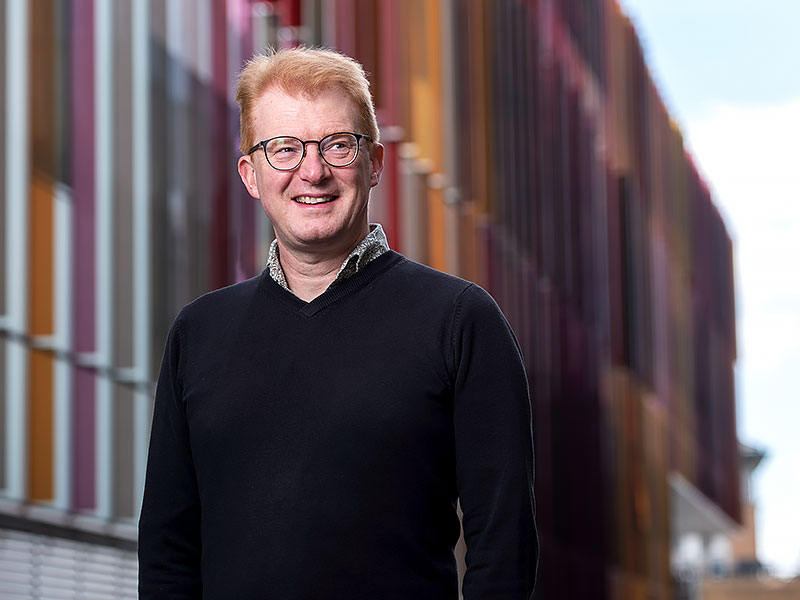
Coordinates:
[316,208]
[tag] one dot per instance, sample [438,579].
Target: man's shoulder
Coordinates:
[432,285]
[228,299]
[422,277]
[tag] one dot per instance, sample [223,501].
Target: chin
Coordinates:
[321,237]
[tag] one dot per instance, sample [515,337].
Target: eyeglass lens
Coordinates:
[338,150]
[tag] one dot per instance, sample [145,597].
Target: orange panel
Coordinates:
[468,259]
[437,231]
[40,426]
[40,423]
[41,258]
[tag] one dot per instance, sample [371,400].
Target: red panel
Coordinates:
[220,267]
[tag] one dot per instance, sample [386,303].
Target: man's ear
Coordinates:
[375,164]
[247,171]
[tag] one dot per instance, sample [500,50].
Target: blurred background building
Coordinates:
[527,149]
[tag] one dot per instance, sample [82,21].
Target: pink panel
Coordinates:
[83,285]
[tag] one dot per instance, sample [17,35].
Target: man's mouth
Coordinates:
[313,199]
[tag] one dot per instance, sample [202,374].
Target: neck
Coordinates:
[309,275]
[310,270]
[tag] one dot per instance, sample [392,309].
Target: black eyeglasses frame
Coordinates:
[263,145]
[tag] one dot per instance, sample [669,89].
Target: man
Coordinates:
[315,426]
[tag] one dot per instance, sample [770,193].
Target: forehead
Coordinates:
[280,113]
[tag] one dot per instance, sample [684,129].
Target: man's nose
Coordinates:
[313,167]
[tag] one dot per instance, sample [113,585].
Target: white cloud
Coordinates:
[751,159]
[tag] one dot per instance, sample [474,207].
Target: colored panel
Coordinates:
[61,132]
[3,449]
[84,487]
[3,129]
[425,98]
[123,451]
[367,50]
[160,242]
[179,171]
[387,104]
[220,265]
[43,87]
[40,426]
[82,117]
[202,184]
[40,373]
[122,252]
[344,14]
[83,251]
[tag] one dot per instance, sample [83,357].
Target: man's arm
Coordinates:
[494,452]
[169,525]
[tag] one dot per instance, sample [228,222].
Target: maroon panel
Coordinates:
[615,270]
[246,210]
[289,12]
[83,436]
[345,11]
[83,278]
[219,254]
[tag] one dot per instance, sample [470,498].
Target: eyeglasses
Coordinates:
[285,152]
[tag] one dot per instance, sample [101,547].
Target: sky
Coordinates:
[729,73]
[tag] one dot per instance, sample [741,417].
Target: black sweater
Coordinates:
[317,450]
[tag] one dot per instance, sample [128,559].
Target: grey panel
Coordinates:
[160,245]
[3,437]
[2,161]
[180,172]
[199,111]
[123,187]
[123,451]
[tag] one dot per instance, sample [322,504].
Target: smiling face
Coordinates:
[314,209]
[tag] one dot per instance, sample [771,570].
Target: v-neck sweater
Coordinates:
[317,449]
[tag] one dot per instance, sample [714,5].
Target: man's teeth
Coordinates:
[313,199]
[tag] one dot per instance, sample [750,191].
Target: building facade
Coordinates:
[527,149]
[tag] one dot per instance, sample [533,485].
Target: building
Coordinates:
[708,545]
[729,569]
[527,149]
[743,556]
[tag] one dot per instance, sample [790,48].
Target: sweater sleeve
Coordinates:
[494,452]
[169,524]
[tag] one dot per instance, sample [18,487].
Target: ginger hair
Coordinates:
[305,72]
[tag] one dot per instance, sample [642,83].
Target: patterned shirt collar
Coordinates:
[371,247]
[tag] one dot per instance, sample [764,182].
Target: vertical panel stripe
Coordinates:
[141,239]
[62,250]
[122,353]
[104,474]
[3,158]
[40,417]
[220,268]
[451,194]
[82,154]
[40,249]
[16,284]
[204,42]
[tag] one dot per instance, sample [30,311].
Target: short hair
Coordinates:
[307,72]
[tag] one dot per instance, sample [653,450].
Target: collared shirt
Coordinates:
[371,247]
